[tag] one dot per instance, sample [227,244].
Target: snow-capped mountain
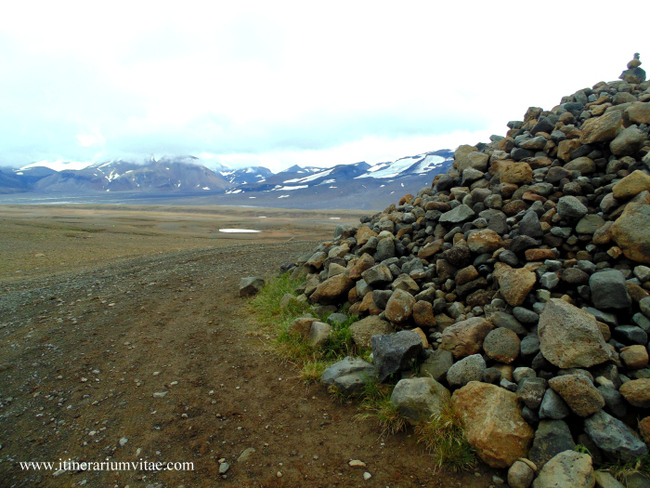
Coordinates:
[358,185]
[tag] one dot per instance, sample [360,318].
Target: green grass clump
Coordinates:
[443,436]
[266,304]
[622,470]
[376,405]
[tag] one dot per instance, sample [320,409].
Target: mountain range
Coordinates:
[185,180]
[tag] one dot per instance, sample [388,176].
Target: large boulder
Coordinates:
[417,399]
[493,423]
[466,337]
[570,337]
[393,353]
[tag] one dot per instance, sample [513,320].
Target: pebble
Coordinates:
[367,476]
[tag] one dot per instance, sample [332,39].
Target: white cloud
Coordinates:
[290,81]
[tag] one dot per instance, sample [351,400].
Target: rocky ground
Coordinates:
[156,358]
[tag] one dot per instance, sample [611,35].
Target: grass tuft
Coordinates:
[443,436]
[266,304]
[622,470]
[376,405]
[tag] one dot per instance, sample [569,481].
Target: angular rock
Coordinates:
[393,353]
[250,286]
[418,399]
[579,393]
[319,333]
[631,232]
[603,128]
[514,283]
[457,215]
[570,337]
[437,364]
[571,209]
[377,276]
[551,438]
[531,392]
[628,142]
[364,329]
[613,437]
[423,314]
[608,290]
[493,423]
[349,375]
[484,241]
[553,407]
[466,337]
[332,290]
[567,469]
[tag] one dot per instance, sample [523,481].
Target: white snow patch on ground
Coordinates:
[335,218]
[239,231]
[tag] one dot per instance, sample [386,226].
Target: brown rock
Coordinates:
[637,392]
[423,314]
[431,249]
[639,112]
[603,128]
[400,306]
[566,147]
[631,231]
[366,261]
[502,345]
[570,337]
[301,326]
[364,329]
[517,173]
[363,234]
[634,357]
[539,254]
[466,275]
[493,423]
[484,241]
[332,289]
[579,393]
[514,284]
[644,429]
[603,235]
[466,337]
[514,207]
[632,185]
[584,165]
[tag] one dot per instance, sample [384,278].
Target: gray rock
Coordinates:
[525,316]
[606,480]
[349,375]
[529,225]
[614,437]
[608,290]
[521,373]
[418,399]
[385,249]
[549,280]
[529,345]
[393,353]
[377,276]
[642,321]
[571,209]
[570,337]
[642,272]
[552,437]
[504,319]
[457,215]
[502,345]
[567,469]
[437,364]
[250,286]
[319,334]
[470,368]
[553,407]
[364,329]
[631,334]
[531,391]
[644,304]
[614,403]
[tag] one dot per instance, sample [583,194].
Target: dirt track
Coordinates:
[83,353]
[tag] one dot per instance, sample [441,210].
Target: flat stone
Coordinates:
[250,286]
[349,375]
[457,215]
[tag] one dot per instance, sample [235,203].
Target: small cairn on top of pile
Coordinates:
[519,281]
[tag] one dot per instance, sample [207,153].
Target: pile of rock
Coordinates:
[518,282]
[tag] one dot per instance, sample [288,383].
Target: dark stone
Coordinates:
[552,437]
[393,353]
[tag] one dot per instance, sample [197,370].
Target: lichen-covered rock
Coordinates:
[364,329]
[514,283]
[417,399]
[466,337]
[567,469]
[493,423]
[570,337]
[631,232]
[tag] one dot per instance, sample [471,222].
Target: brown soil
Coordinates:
[95,330]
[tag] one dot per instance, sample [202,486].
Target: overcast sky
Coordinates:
[277,83]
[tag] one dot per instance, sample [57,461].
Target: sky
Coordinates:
[278,83]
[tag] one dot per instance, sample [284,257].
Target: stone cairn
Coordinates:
[518,282]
